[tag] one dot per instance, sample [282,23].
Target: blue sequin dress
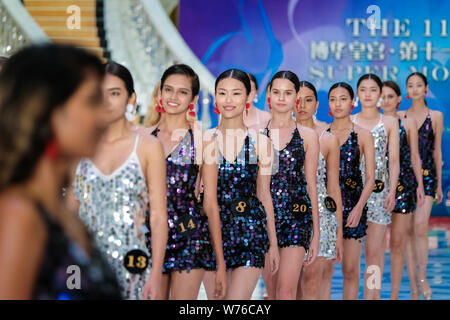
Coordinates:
[405,195]
[188,245]
[426,149]
[350,180]
[243,218]
[292,206]
[97,280]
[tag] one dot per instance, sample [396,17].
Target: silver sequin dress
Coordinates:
[113,207]
[327,219]
[375,204]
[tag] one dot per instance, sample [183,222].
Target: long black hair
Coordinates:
[35,82]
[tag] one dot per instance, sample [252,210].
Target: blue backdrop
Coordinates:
[334,41]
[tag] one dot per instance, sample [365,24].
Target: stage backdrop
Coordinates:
[328,41]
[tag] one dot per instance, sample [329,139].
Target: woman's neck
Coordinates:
[392,113]
[172,122]
[307,123]
[45,186]
[116,130]
[281,120]
[232,123]
[418,105]
[369,113]
[342,123]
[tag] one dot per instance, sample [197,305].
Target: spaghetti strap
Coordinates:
[320,137]
[136,143]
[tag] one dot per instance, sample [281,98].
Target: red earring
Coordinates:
[159,108]
[426,91]
[297,103]
[52,150]
[407,96]
[216,110]
[397,107]
[247,106]
[268,101]
[378,109]
[329,112]
[192,112]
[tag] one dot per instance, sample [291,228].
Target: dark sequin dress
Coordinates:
[351,184]
[405,195]
[97,279]
[192,249]
[426,149]
[242,215]
[292,206]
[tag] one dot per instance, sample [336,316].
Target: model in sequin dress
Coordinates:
[97,281]
[376,203]
[188,246]
[292,206]
[405,196]
[244,235]
[113,207]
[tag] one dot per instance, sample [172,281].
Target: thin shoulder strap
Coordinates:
[247,149]
[136,141]
[156,130]
[320,137]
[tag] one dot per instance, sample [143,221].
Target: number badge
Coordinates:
[330,204]
[350,183]
[379,186]
[186,225]
[400,187]
[240,207]
[425,172]
[300,208]
[135,261]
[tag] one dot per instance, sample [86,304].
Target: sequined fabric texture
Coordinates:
[426,149]
[244,236]
[113,207]
[375,204]
[97,280]
[405,195]
[328,220]
[289,195]
[185,252]
[349,171]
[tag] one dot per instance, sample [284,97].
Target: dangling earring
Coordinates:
[130,114]
[397,107]
[256,98]
[268,101]
[379,104]
[52,150]
[407,96]
[192,112]
[329,112]
[426,92]
[247,106]
[216,110]
[297,103]
[159,108]
[353,107]
[356,102]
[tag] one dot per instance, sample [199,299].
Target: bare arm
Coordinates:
[333,186]
[413,140]
[22,244]
[368,149]
[155,175]
[394,161]
[211,207]
[437,154]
